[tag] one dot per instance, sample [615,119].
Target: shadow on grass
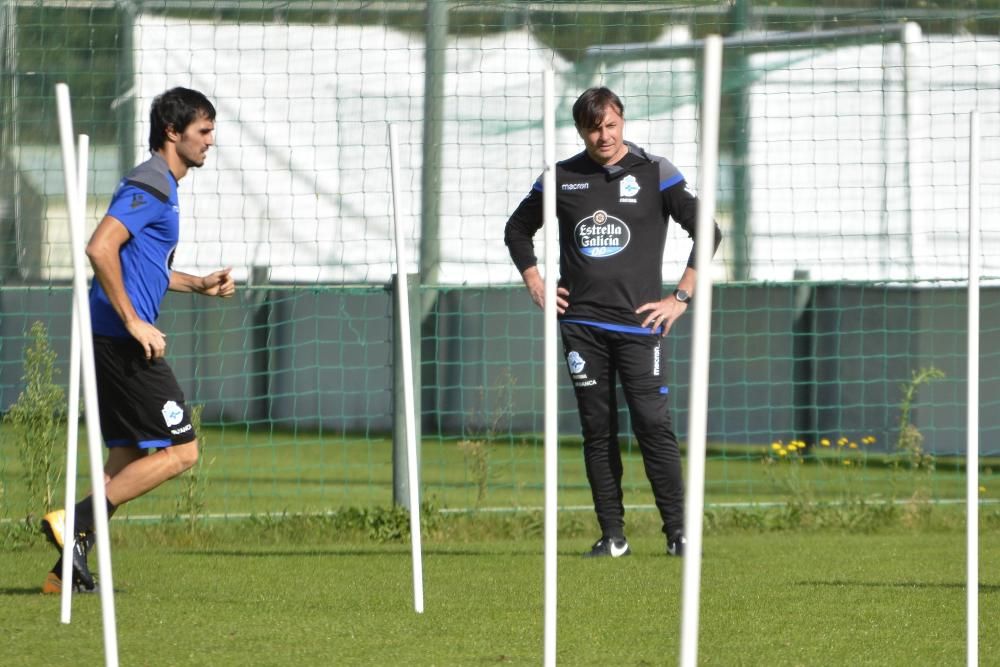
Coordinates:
[37,590]
[34,590]
[983,588]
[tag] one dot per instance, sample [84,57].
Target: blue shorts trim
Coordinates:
[621,328]
[142,444]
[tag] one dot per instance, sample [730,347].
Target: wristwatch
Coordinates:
[683,296]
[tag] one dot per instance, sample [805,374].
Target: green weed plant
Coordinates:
[910,443]
[190,503]
[38,424]
[381,525]
[846,459]
[476,449]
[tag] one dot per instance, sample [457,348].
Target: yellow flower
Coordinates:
[782,452]
[853,445]
[825,442]
[847,462]
[792,447]
[982,489]
[776,446]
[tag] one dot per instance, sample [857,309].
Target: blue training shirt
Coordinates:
[146,203]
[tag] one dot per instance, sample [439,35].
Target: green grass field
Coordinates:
[896,598]
[811,568]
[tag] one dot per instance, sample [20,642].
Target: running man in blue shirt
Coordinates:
[145,421]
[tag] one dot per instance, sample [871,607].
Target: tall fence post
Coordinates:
[435,64]
[262,342]
[804,360]
[400,484]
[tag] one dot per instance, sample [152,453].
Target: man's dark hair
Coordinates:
[177,108]
[588,110]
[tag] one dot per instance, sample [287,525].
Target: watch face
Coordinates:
[682,295]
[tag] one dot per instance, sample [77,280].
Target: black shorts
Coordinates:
[140,402]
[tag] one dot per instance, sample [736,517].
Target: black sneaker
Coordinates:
[675,544]
[613,547]
[53,525]
[82,578]
[53,581]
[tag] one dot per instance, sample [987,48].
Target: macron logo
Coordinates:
[575,186]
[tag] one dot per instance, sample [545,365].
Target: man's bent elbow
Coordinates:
[96,253]
[184,456]
[92,252]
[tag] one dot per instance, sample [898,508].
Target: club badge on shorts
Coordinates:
[172,413]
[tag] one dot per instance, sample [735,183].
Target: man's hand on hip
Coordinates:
[536,288]
[662,313]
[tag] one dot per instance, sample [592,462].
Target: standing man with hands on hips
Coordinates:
[142,408]
[613,204]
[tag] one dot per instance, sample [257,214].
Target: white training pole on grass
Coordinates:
[700,337]
[972,417]
[73,407]
[74,203]
[402,294]
[551,226]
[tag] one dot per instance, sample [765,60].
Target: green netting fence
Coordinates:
[842,197]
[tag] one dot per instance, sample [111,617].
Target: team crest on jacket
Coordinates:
[629,188]
[601,235]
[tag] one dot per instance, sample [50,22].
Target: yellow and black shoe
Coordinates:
[52,585]
[53,581]
[82,578]
[54,525]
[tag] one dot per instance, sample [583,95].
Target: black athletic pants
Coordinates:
[595,357]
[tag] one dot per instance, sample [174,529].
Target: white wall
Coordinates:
[299,178]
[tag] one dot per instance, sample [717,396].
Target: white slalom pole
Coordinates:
[74,203]
[402,293]
[551,226]
[972,416]
[700,335]
[73,407]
